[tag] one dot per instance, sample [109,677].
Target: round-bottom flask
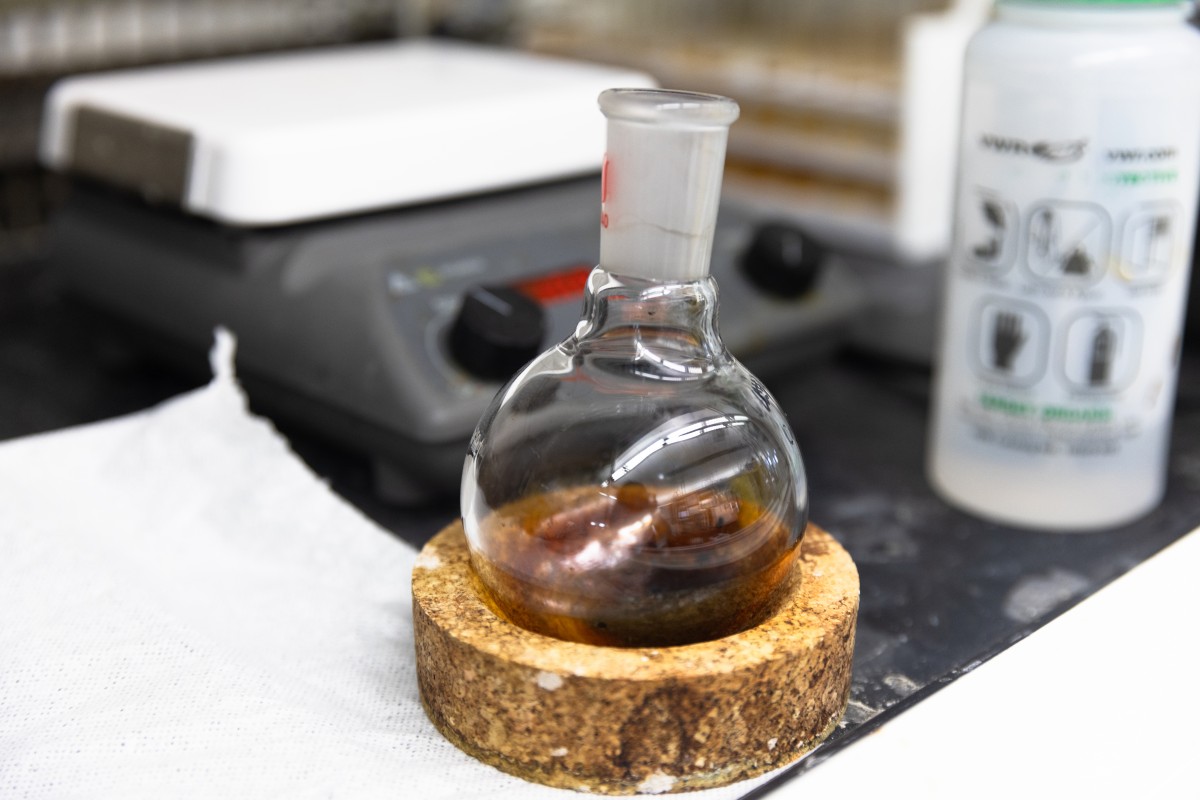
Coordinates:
[635,485]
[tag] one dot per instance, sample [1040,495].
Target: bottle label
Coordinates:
[1068,273]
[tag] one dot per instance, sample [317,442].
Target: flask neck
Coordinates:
[662,182]
[661,330]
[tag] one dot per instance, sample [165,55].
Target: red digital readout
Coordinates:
[565,284]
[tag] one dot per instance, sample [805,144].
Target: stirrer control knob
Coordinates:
[783,260]
[497,331]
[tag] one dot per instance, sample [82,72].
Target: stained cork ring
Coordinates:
[628,720]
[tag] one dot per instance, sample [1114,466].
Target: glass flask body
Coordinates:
[635,485]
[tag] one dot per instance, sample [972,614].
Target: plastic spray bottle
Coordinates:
[1065,287]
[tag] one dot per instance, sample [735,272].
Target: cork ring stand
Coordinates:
[628,720]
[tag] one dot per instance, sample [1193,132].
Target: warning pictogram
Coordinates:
[1010,341]
[1067,243]
[1102,350]
[1150,243]
[990,231]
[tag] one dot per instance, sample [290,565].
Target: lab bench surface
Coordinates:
[942,591]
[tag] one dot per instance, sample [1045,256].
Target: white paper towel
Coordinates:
[187,611]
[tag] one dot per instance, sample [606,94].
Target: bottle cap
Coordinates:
[1104,3]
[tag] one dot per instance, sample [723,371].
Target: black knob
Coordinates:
[783,260]
[498,330]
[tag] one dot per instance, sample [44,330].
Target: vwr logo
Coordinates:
[1058,152]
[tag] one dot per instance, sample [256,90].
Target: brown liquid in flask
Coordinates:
[628,567]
